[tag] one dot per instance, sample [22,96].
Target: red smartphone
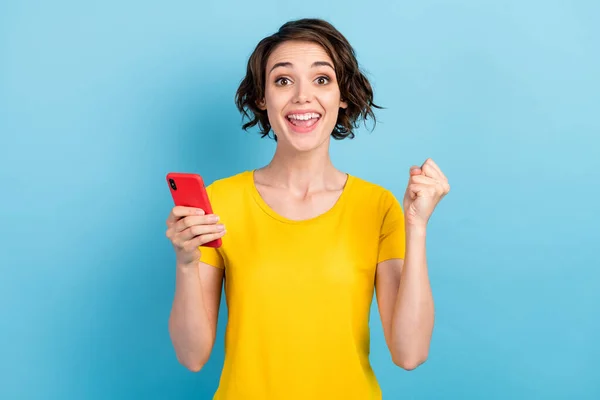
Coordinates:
[188,190]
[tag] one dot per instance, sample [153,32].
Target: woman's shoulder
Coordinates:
[231,182]
[230,193]
[374,196]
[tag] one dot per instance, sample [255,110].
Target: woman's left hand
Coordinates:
[427,185]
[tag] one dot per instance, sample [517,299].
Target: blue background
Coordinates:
[99,101]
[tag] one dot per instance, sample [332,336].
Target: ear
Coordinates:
[343,104]
[261,104]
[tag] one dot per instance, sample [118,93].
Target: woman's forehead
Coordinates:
[297,52]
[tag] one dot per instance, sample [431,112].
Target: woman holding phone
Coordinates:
[304,245]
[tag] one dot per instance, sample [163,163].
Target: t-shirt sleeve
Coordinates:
[392,238]
[210,255]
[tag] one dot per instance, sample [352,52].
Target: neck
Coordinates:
[302,171]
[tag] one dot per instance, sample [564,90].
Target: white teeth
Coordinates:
[304,117]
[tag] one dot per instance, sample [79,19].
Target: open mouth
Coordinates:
[304,122]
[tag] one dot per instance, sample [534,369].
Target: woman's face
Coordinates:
[302,96]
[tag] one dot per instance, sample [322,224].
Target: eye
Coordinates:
[282,81]
[322,80]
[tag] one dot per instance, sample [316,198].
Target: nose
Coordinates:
[303,92]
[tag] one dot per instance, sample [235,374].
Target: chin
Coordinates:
[304,143]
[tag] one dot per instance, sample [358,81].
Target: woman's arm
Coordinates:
[193,319]
[406,303]
[403,289]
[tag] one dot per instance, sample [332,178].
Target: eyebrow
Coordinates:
[290,65]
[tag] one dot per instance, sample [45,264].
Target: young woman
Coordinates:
[304,244]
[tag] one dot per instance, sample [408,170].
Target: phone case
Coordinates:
[188,190]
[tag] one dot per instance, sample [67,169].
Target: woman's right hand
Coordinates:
[188,228]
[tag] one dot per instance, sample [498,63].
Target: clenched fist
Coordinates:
[427,185]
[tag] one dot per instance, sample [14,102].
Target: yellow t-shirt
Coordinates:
[299,293]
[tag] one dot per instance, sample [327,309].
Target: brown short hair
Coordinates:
[355,88]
